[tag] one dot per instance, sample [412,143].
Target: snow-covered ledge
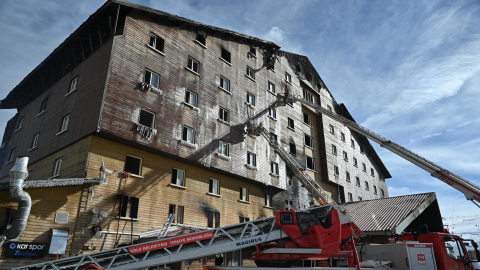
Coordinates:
[223,157]
[145,131]
[250,167]
[187,144]
[149,87]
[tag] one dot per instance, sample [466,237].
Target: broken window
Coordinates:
[372,171]
[352,143]
[342,136]
[226,55]
[35,141]
[251,159]
[146,118]
[73,85]
[307,95]
[274,168]
[268,200]
[291,123]
[288,77]
[223,148]
[350,197]
[293,149]
[156,42]
[334,149]
[178,177]
[355,163]
[272,112]
[20,122]
[152,79]
[214,187]
[188,134]
[224,114]
[307,119]
[244,194]
[65,121]
[133,165]
[58,166]
[345,156]
[374,189]
[332,129]
[308,141]
[201,39]
[364,167]
[191,98]
[366,185]
[225,84]
[193,65]
[347,176]
[250,99]
[271,87]
[12,155]
[358,181]
[310,163]
[335,170]
[250,73]
[43,107]
[253,51]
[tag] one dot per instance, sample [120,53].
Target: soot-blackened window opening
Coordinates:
[156,42]
[133,165]
[147,119]
[226,55]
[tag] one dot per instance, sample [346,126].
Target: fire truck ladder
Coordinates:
[221,240]
[469,189]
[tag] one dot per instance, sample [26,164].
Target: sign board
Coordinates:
[421,259]
[25,250]
[170,242]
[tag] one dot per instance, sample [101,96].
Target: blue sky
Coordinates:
[409,70]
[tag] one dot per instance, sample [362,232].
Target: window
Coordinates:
[383,193]
[188,134]
[308,141]
[307,119]
[367,187]
[20,122]
[310,163]
[350,197]
[250,99]
[179,213]
[329,108]
[224,148]
[178,177]
[288,77]
[244,219]
[273,136]
[355,162]
[358,181]
[352,143]
[307,95]
[291,123]
[152,79]
[156,42]
[193,65]
[360,198]
[65,121]
[226,55]
[191,98]
[210,217]
[73,85]
[347,176]
[146,118]
[271,87]
[361,149]
[43,107]
[342,136]
[250,73]
[364,167]
[133,165]
[293,149]
[214,187]
[268,200]
[274,168]
[251,159]
[244,194]
[272,112]
[372,171]
[253,51]
[224,114]
[201,39]
[332,129]
[123,202]
[58,166]
[345,156]
[374,189]
[335,170]
[334,149]
[225,84]
[12,155]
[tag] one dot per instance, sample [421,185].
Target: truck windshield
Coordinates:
[453,249]
[471,246]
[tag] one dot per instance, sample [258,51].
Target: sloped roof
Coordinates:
[389,214]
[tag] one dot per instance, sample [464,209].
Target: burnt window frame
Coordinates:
[226,53]
[155,43]
[140,165]
[153,121]
[201,39]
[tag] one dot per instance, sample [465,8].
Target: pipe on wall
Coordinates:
[18,173]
